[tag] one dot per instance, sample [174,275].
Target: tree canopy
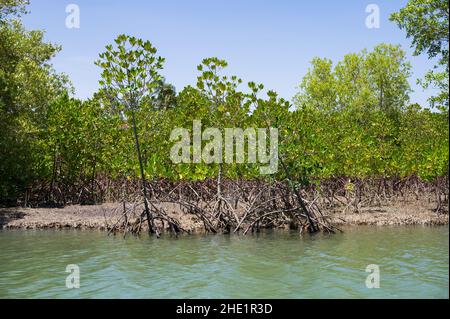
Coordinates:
[350,118]
[426,23]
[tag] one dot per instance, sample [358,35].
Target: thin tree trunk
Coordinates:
[311,224]
[219,181]
[144,184]
[94,173]
[52,185]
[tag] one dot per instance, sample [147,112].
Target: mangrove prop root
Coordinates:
[252,207]
[241,206]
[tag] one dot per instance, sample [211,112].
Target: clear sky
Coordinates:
[270,42]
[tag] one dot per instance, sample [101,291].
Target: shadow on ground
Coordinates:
[8,215]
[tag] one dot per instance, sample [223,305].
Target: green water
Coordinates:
[413,262]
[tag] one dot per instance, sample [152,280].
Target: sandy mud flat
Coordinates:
[101,217]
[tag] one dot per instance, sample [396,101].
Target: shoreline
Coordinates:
[103,216]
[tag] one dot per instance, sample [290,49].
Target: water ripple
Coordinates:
[413,264]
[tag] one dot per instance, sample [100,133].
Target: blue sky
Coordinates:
[270,42]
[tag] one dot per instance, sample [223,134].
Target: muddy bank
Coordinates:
[102,217]
[238,205]
[393,215]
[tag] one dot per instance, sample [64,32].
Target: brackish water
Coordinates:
[413,263]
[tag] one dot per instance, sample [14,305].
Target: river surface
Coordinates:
[413,263]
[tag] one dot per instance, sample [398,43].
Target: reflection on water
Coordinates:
[413,261]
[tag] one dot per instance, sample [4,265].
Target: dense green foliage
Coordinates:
[350,118]
[28,86]
[426,22]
